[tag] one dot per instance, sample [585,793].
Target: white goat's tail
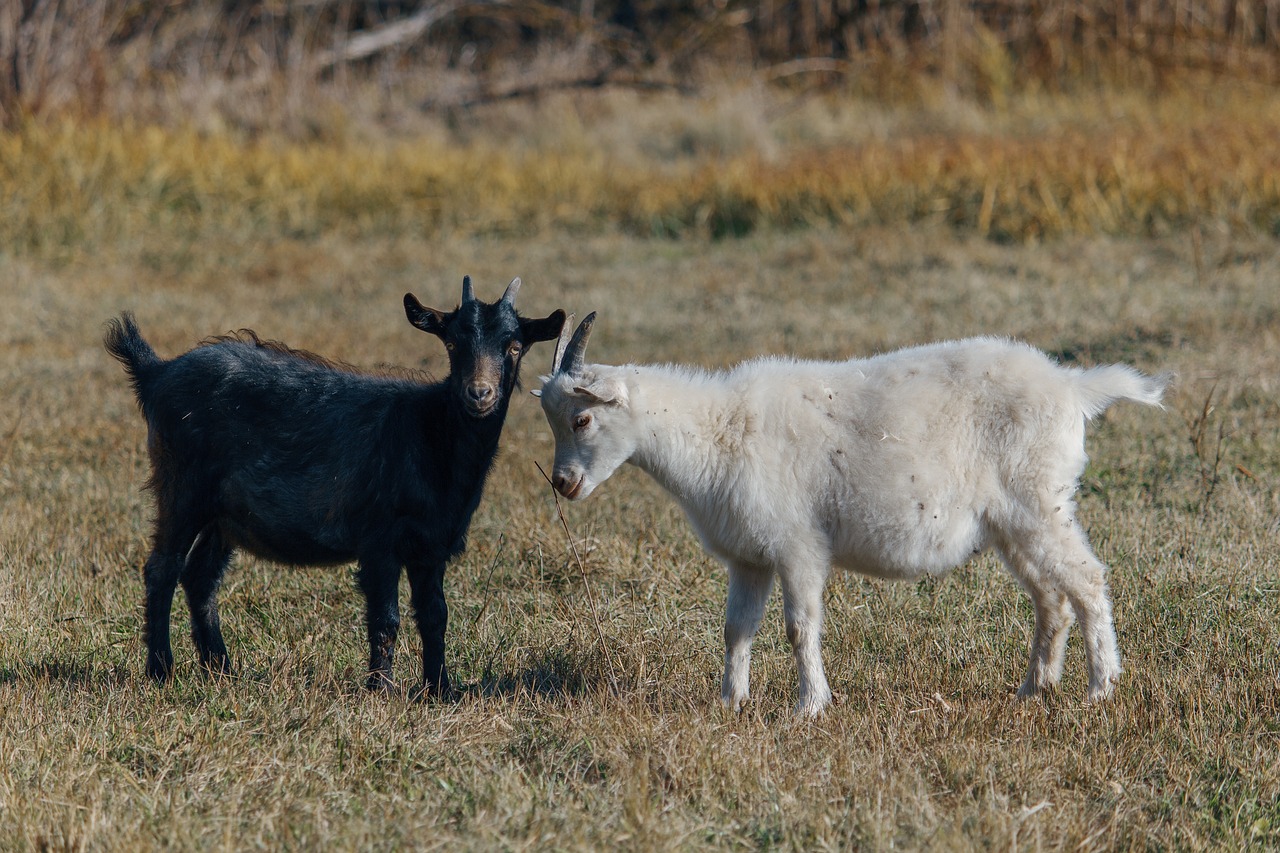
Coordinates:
[1099,387]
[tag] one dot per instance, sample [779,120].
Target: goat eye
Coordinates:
[581,422]
[513,349]
[448,345]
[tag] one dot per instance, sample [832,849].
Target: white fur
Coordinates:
[896,466]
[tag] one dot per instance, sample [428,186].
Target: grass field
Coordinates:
[590,714]
[744,158]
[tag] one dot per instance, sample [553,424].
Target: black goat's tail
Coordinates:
[125,342]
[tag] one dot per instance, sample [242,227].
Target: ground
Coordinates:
[590,713]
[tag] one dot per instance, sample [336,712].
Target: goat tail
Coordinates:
[126,344]
[1099,387]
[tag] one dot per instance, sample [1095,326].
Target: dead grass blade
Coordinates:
[586,584]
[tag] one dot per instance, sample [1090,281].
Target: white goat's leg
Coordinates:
[1092,604]
[1048,648]
[749,588]
[1053,623]
[802,608]
[1071,566]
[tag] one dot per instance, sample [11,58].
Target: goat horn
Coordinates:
[513,288]
[572,362]
[467,295]
[562,343]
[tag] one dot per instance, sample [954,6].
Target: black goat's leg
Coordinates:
[176,534]
[380,580]
[431,612]
[161,578]
[205,564]
[181,515]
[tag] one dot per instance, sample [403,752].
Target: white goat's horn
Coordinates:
[467,295]
[562,343]
[509,296]
[572,362]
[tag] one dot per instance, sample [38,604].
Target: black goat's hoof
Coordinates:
[160,672]
[218,668]
[378,682]
[434,693]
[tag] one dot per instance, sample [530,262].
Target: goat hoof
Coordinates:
[1038,684]
[433,692]
[217,668]
[379,682]
[812,707]
[159,671]
[1101,693]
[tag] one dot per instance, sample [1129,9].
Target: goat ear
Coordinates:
[427,319]
[546,329]
[605,391]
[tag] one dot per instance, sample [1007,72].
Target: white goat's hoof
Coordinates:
[1102,692]
[812,707]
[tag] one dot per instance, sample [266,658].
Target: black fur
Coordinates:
[298,459]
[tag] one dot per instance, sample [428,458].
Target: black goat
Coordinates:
[292,457]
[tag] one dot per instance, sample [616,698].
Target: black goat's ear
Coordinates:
[546,329]
[427,319]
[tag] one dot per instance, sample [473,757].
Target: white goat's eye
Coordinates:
[513,349]
[581,422]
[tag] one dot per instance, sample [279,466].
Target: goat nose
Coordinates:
[559,482]
[479,391]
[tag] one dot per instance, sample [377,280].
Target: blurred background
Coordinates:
[1013,119]
[194,59]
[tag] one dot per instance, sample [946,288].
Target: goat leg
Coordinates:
[205,564]
[379,580]
[749,588]
[161,577]
[431,612]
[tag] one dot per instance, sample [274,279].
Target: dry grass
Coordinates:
[744,160]
[582,735]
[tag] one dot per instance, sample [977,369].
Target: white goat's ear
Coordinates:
[545,380]
[604,391]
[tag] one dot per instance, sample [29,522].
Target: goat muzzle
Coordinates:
[480,398]
[570,488]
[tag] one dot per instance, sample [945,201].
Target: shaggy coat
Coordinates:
[897,466]
[300,460]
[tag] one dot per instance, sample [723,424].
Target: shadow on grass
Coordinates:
[554,674]
[65,672]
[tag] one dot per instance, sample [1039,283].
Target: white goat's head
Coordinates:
[589,413]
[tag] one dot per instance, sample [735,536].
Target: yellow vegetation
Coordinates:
[1169,161]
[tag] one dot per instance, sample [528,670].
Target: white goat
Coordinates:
[896,466]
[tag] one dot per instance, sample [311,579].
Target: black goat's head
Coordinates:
[485,344]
